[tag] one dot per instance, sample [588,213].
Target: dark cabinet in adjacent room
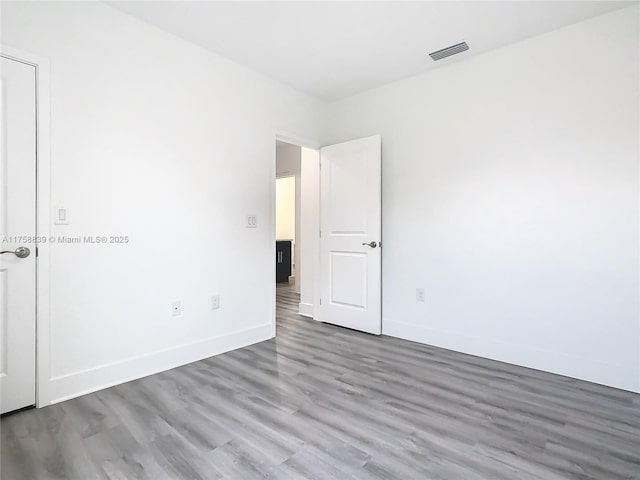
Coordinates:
[283,260]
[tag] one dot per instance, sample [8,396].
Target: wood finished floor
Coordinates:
[322,402]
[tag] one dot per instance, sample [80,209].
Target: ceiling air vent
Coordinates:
[447,52]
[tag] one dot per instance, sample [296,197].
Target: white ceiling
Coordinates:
[334,49]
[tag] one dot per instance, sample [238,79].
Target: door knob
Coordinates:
[20,252]
[371,244]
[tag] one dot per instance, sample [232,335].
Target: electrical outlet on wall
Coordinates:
[420,295]
[176,309]
[252,221]
[215,302]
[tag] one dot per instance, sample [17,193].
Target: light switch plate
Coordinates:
[215,302]
[252,221]
[61,216]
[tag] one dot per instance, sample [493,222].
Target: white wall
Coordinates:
[286,208]
[510,193]
[287,159]
[159,140]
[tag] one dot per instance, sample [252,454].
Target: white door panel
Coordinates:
[350,217]
[17,220]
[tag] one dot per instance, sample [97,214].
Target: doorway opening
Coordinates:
[328,226]
[296,230]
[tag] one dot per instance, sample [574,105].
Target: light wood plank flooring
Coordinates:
[322,402]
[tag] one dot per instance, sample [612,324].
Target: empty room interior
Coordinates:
[366,240]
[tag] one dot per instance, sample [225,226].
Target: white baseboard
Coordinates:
[549,361]
[305,309]
[82,382]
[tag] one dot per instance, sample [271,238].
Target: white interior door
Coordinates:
[350,234]
[17,224]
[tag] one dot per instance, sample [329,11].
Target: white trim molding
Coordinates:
[306,309]
[65,387]
[522,355]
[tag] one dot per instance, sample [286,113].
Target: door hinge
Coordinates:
[320,301]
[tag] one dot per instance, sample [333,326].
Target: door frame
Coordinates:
[301,141]
[43,215]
